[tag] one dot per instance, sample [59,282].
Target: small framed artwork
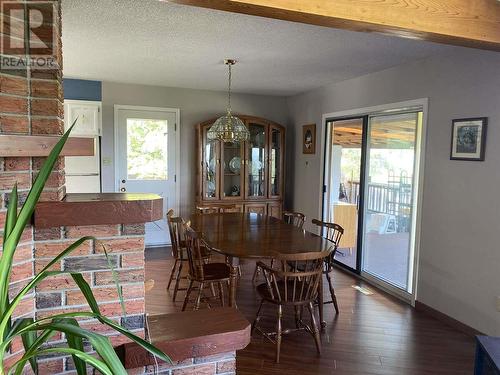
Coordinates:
[468,138]
[309,139]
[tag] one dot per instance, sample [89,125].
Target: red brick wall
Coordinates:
[125,247]
[30,103]
[220,364]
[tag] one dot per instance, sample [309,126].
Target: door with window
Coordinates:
[145,145]
[371,180]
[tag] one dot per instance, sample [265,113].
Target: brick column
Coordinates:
[30,103]
[125,247]
[219,364]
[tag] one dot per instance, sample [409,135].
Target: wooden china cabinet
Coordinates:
[248,175]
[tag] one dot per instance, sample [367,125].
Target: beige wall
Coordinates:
[459,270]
[195,106]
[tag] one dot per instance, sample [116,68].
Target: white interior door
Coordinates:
[145,155]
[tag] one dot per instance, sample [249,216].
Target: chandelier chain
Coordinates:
[229,90]
[228,128]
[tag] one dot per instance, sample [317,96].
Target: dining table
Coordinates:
[255,236]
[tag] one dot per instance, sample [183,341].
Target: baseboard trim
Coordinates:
[446,319]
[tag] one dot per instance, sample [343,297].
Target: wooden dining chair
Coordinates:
[295,287]
[203,273]
[332,232]
[295,218]
[217,209]
[176,230]
[220,209]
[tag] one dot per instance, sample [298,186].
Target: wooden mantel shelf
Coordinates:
[95,209]
[41,145]
[190,334]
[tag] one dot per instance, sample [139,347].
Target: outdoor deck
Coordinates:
[387,256]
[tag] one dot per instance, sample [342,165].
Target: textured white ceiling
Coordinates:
[158,43]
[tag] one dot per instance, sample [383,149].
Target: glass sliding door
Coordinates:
[389,197]
[343,186]
[371,176]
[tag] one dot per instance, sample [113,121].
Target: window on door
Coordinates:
[371,175]
[147,149]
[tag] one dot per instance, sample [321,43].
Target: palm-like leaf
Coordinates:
[35,333]
[10,222]
[76,342]
[94,362]
[29,338]
[40,340]
[12,239]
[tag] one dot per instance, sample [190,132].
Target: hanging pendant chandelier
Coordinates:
[228,128]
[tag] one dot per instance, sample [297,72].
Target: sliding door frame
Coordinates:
[418,105]
[362,175]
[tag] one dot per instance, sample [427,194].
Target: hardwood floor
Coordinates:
[374,334]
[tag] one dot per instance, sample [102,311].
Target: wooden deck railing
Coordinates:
[391,199]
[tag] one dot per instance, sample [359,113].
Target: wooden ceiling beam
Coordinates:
[402,136]
[466,23]
[41,145]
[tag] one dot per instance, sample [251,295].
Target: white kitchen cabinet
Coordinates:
[88,115]
[83,173]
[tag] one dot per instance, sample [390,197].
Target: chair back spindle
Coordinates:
[176,230]
[294,284]
[196,258]
[332,232]
[295,218]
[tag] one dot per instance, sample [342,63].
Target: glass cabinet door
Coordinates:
[210,168]
[256,161]
[276,149]
[232,167]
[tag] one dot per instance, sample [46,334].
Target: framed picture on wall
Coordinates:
[309,139]
[468,138]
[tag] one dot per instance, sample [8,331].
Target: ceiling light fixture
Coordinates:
[228,128]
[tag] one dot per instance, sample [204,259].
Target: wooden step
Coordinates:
[190,334]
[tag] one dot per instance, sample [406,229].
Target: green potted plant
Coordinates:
[36,332]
